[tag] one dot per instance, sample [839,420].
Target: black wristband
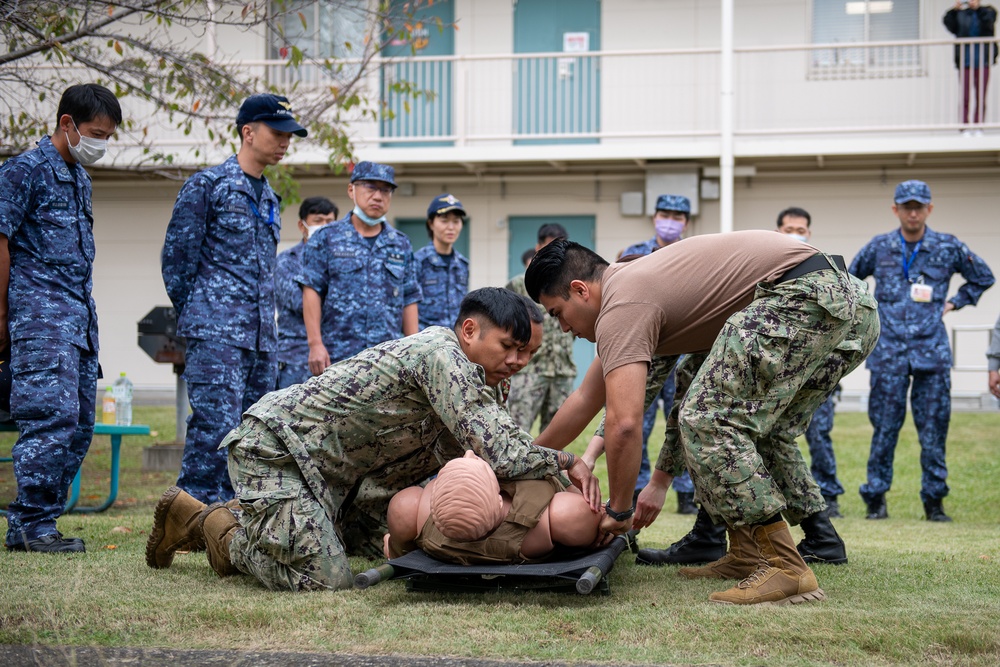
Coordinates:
[619,516]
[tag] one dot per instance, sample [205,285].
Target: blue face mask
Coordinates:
[365,218]
[799,237]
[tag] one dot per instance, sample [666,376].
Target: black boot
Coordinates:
[685,503]
[822,544]
[705,543]
[934,510]
[876,507]
[833,507]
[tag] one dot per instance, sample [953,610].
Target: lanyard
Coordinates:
[908,262]
[256,212]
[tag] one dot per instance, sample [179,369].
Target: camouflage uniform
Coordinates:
[443,284]
[772,365]
[823,462]
[293,346]
[914,343]
[542,386]
[369,426]
[46,215]
[682,483]
[218,268]
[364,286]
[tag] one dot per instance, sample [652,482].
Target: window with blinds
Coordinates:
[854,23]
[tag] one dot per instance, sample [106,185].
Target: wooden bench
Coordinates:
[116,433]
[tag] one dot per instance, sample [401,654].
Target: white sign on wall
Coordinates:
[576,42]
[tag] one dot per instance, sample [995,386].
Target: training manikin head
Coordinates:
[465,502]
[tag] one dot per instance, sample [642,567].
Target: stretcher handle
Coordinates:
[589,580]
[373,576]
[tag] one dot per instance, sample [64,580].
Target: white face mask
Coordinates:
[89,150]
[365,218]
[799,237]
[312,229]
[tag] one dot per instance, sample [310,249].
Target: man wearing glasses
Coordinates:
[218,269]
[359,278]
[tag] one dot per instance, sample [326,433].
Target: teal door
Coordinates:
[557,95]
[523,234]
[429,112]
[416,230]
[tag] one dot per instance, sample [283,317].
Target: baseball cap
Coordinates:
[373,171]
[912,191]
[444,203]
[273,110]
[673,203]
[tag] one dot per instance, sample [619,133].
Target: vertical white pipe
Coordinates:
[726,160]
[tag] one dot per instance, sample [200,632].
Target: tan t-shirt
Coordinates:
[676,300]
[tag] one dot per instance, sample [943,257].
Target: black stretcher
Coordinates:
[581,574]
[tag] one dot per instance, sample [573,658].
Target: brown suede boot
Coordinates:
[218,526]
[740,561]
[175,527]
[782,578]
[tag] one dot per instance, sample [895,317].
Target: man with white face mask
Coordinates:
[359,278]
[293,346]
[47,312]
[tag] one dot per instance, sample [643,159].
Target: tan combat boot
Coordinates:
[218,524]
[782,578]
[740,561]
[175,527]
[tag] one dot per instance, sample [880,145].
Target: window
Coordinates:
[320,29]
[859,21]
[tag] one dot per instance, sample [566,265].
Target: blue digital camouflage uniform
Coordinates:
[823,462]
[382,420]
[772,365]
[538,389]
[218,268]
[682,483]
[46,215]
[443,284]
[364,286]
[914,344]
[293,346]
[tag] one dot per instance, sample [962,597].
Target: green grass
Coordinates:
[913,593]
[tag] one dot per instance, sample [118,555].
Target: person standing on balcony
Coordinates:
[539,389]
[973,20]
[443,271]
[218,269]
[797,223]
[47,311]
[293,346]
[912,267]
[359,278]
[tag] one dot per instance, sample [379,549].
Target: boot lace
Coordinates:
[757,576]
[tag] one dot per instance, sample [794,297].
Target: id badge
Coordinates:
[921,293]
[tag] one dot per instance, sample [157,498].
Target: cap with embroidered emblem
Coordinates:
[443,204]
[273,110]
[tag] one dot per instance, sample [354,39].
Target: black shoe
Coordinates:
[833,507]
[877,508]
[50,544]
[685,503]
[934,511]
[822,544]
[705,543]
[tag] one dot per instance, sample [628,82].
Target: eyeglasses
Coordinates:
[384,190]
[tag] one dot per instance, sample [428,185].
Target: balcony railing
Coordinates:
[664,95]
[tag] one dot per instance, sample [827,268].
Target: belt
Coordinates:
[817,262]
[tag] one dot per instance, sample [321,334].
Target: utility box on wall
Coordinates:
[671,183]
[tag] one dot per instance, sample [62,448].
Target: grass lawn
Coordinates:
[913,592]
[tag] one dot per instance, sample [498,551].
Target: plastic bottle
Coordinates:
[108,407]
[123,401]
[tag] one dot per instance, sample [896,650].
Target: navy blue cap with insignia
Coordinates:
[273,110]
[443,204]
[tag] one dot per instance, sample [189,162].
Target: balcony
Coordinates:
[816,99]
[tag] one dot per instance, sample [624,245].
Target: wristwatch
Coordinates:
[619,516]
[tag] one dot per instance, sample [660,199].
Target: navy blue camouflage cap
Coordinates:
[273,110]
[443,204]
[912,191]
[673,203]
[373,171]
